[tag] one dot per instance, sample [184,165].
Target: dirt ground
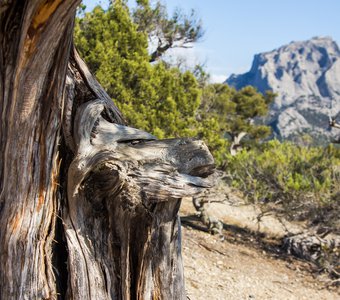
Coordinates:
[236,269]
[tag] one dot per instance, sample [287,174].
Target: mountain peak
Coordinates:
[299,70]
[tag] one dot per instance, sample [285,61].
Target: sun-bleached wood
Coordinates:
[333,123]
[124,189]
[88,205]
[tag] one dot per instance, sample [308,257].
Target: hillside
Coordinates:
[306,77]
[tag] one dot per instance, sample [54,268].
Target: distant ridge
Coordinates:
[306,77]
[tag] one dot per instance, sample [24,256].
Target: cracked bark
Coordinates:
[71,167]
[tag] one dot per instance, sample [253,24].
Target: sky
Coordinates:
[236,30]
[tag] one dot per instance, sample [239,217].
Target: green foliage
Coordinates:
[166,32]
[226,111]
[304,180]
[235,110]
[170,103]
[155,98]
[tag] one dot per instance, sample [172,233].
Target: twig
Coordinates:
[208,248]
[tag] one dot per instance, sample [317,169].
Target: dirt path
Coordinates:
[216,269]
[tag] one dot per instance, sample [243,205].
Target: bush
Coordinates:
[304,181]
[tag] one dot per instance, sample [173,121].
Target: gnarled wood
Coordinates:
[124,189]
[235,146]
[35,40]
[72,172]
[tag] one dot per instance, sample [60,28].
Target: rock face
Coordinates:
[306,77]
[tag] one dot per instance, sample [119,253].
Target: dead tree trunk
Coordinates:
[77,187]
[334,124]
[35,41]
[235,146]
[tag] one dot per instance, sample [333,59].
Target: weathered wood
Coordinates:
[35,40]
[67,154]
[124,190]
[235,146]
[333,123]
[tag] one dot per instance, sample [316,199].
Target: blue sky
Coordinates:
[235,30]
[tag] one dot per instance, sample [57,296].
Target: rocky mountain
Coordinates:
[306,77]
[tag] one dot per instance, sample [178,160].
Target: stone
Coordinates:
[306,77]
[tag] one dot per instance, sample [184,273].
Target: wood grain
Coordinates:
[88,205]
